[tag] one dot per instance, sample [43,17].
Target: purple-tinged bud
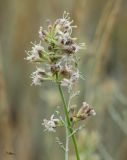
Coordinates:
[85,111]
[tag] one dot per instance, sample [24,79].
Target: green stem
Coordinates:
[67,143]
[70,129]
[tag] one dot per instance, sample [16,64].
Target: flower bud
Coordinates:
[85,111]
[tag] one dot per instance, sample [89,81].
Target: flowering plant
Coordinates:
[59,64]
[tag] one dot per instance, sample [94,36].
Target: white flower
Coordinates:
[75,76]
[66,70]
[66,82]
[63,38]
[35,53]
[42,33]
[92,112]
[69,82]
[37,76]
[50,125]
[64,24]
[74,48]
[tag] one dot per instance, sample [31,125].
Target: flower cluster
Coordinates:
[84,112]
[59,57]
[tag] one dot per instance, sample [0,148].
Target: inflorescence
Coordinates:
[59,57]
[58,62]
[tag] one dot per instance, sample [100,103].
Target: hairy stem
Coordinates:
[69,126]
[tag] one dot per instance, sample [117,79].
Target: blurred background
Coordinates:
[102,25]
